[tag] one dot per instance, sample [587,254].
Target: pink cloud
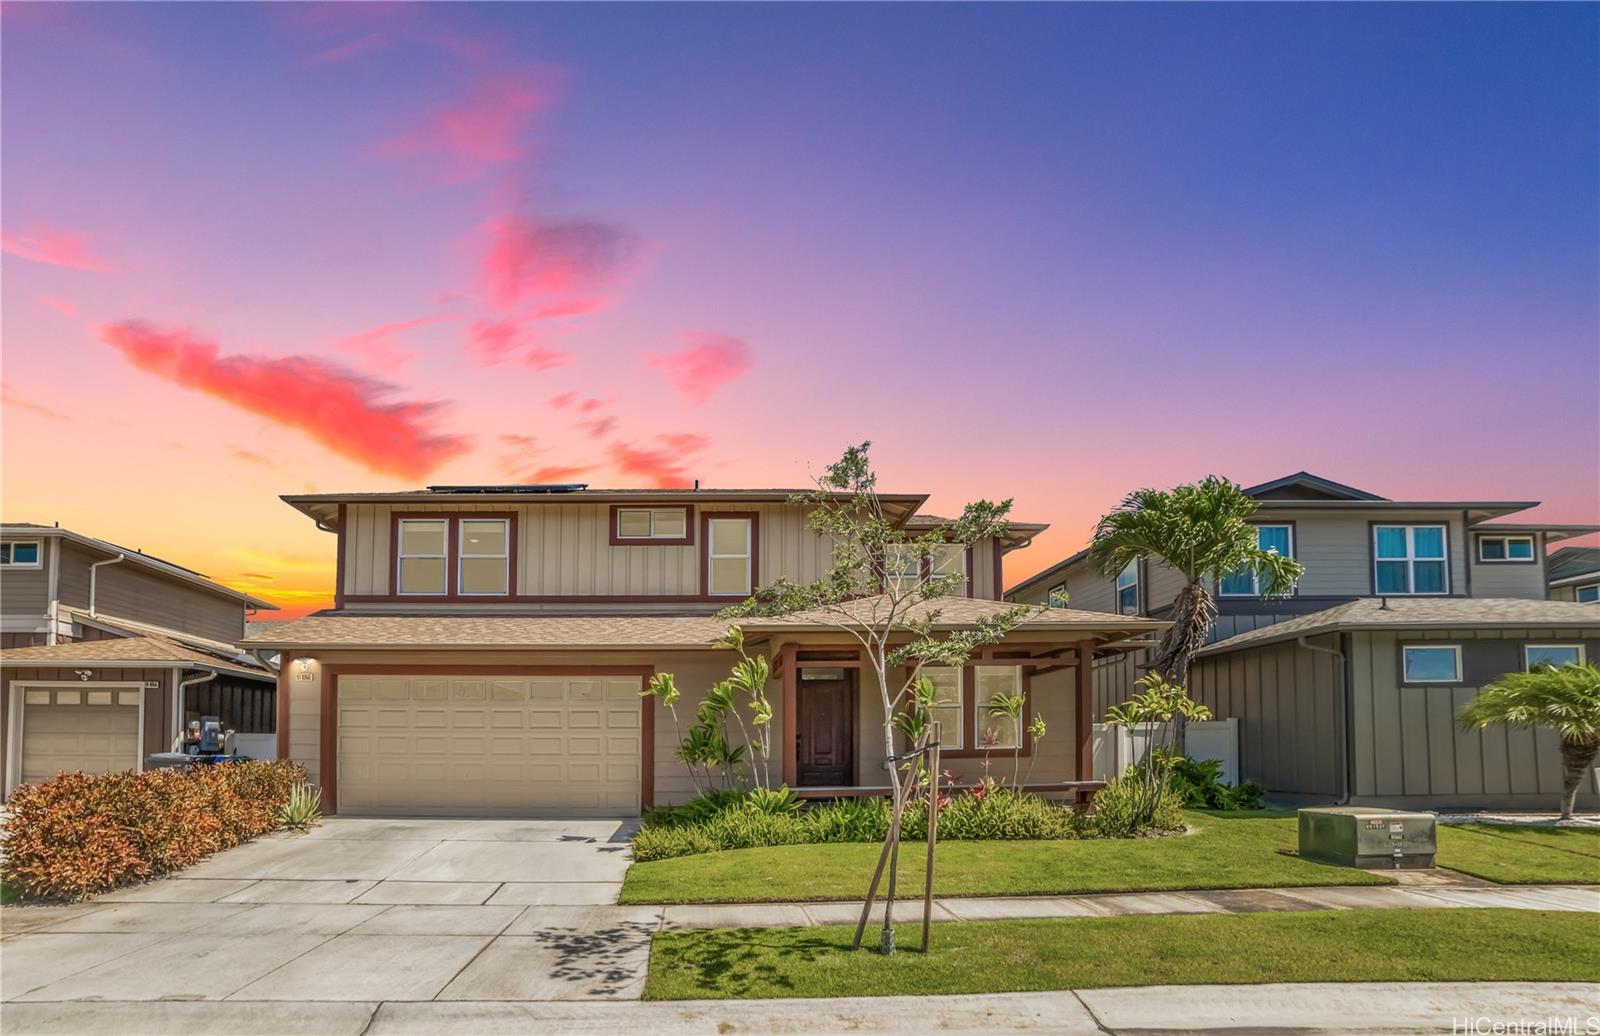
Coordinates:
[11,400]
[662,467]
[59,305]
[563,400]
[521,442]
[252,457]
[599,427]
[53,247]
[334,406]
[711,361]
[492,125]
[541,359]
[571,308]
[583,406]
[564,257]
[555,473]
[377,343]
[491,342]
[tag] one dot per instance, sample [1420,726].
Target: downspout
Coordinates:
[178,695]
[93,575]
[53,611]
[1349,712]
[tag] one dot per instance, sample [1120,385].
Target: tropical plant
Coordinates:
[775,801]
[1198,782]
[1566,699]
[1155,711]
[1009,706]
[1203,532]
[706,749]
[303,810]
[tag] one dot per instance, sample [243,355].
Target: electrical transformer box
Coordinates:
[1367,837]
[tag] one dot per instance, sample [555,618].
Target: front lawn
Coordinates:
[1226,850]
[1077,953]
[1515,854]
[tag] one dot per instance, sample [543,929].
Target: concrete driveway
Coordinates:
[355,911]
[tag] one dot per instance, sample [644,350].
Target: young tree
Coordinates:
[1202,531]
[864,593]
[1567,699]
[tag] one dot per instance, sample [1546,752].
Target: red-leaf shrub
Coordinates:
[76,834]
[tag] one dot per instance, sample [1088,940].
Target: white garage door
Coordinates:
[88,729]
[489,746]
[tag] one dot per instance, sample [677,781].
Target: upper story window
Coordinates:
[902,567]
[1586,594]
[423,555]
[1128,589]
[650,525]
[950,560]
[1058,596]
[20,554]
[1495,549]
[485,556]
[730,555]
[1247,582]
[1430,663]
[1557,655]
[1410,559]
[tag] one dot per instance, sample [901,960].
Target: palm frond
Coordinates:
[1565,699]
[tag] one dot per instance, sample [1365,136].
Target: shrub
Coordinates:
[78,834]
[1200,783]
[303,810]
[775,801]
[1124,808]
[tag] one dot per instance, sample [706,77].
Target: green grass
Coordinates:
[1522,855]
[1226,850]
[9,893]
[1077,953]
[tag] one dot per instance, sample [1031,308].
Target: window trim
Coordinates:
[1050,596]
[970,727]
[1255,577]
[1586,586]
[1455,649]
[400,557]
[1137,567]
[619,540]
[1019,686]
[452,566]
[1409,559]
[1583,655]
[38,554]
[965,573]
[960,706]
[1506,538]
[461,555]
[753,558]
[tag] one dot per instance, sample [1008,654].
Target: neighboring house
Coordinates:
[1348,688]
[108,652]
[1573,574]
[487,648]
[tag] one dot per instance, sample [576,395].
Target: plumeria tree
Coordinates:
[866,594]
[1566,699]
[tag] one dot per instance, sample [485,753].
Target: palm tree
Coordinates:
[1203,531]
[1567,699]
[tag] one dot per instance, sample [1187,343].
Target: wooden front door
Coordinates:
[827,731]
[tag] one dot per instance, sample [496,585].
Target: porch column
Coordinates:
[790,728]
[1085,719]
[285,664]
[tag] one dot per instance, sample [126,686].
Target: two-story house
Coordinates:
[488,645]
[1573,574]
[107,652]
[1349,688]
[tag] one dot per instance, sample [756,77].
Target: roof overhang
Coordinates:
[1552,533]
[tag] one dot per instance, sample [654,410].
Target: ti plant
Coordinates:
[706,748]
[1154,711]
[1009,707]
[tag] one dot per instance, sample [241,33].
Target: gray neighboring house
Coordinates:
[1574,574]
[1347,689]
[106,652]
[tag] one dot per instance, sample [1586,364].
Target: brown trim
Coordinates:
[686,540]
[1477,557]
[452,559]
[329,753]
[705,554]
[852,680]
[969,748]
[999,556]
[537,599]
[1294,552]
[1449,560]
[285,676]
[338,561]
[1083,683]
[791,715]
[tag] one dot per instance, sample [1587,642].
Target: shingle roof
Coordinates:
[955,612]
[1573,563]
[129,651]
[1417,613]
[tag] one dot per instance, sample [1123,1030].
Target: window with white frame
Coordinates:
[484,564]
[949,560]
[652,523]
[1430,663]
[1513,549]
[1556,655]
[1058,596]
[728,557]
[1246,582]
[20,554]
[902,567]
[950,708]
[1128,589]
[423,555]
[1588,593]
[1410,560]
[990,682]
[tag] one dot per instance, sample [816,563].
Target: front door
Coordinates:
[827,729]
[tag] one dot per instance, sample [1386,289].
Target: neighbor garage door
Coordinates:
[489,746]
[88,729]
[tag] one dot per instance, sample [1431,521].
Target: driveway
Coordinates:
[357,910]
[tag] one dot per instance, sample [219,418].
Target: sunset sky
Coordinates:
[1047,252]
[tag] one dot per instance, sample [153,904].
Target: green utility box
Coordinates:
[1368,837]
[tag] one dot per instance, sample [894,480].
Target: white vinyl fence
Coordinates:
[258,746]
[1116,748]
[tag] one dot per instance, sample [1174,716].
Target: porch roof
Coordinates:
[152,651]
[957,612]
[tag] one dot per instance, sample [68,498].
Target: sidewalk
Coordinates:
[1378,1007]
[1582,898]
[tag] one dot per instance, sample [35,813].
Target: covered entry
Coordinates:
[84,727]
[488,745]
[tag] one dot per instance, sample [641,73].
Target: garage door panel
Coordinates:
[460,746]
[63,731]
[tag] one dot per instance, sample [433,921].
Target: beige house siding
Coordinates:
[1336,550]
[24,590]
[134,592]
[156,733]
[1508,579]
[1570,591]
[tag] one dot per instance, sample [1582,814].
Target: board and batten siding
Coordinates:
[156,735]
[133,591]
[25,590]
[1336,550]
[1521,579]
